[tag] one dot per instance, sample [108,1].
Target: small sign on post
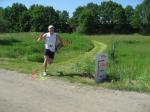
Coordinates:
[101,66]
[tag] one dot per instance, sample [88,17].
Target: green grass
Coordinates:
[131,70]
[21,52]
[24,46]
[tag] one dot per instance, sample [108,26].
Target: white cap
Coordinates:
[50,26]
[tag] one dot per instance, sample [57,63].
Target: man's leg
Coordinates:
[50,61]
[46,61]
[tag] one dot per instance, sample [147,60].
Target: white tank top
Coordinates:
[50,41]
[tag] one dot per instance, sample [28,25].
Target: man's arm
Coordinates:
[41,37]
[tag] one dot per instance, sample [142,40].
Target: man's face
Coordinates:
[51,30]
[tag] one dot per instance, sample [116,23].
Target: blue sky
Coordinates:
[69,5]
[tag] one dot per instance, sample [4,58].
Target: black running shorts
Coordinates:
[49,53]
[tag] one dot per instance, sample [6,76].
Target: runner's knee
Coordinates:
[50,61]
[46,58]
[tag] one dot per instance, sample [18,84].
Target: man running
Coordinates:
[50,44]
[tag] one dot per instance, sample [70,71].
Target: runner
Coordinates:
[50,46]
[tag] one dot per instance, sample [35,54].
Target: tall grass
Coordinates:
[25,46]
[131,69]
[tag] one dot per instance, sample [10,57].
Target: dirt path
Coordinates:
[20,94]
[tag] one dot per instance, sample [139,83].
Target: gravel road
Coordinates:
[18,93]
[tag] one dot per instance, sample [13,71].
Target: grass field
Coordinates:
[130,70]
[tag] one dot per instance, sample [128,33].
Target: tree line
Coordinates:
[107,17]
